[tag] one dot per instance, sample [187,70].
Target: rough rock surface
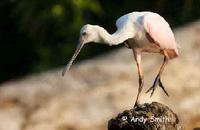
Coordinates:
[154,116]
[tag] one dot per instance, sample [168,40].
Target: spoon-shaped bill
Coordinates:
[67,67]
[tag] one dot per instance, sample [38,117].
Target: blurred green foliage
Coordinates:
[38,35]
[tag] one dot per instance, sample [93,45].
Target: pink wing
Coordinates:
[161,32]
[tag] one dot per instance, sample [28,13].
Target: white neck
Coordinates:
[112,39]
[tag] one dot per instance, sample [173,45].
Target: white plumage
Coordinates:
[139,31]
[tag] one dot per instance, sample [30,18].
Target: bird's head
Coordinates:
[88,33]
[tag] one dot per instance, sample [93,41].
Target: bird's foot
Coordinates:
[136,104]
[163,88]
[153,87]
[157,82]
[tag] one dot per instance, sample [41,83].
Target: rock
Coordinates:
[154,116]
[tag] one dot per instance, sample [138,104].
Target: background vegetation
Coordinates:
[38,35]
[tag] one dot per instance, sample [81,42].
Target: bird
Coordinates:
[141,32]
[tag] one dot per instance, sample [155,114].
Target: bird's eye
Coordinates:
[84,33]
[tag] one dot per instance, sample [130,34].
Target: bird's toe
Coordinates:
[163,88]
[153,87]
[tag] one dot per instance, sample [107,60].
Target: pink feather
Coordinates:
[161,32]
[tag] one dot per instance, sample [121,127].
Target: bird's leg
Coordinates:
[137,56]
[157,80]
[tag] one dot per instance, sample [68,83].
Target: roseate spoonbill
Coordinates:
[139,31]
